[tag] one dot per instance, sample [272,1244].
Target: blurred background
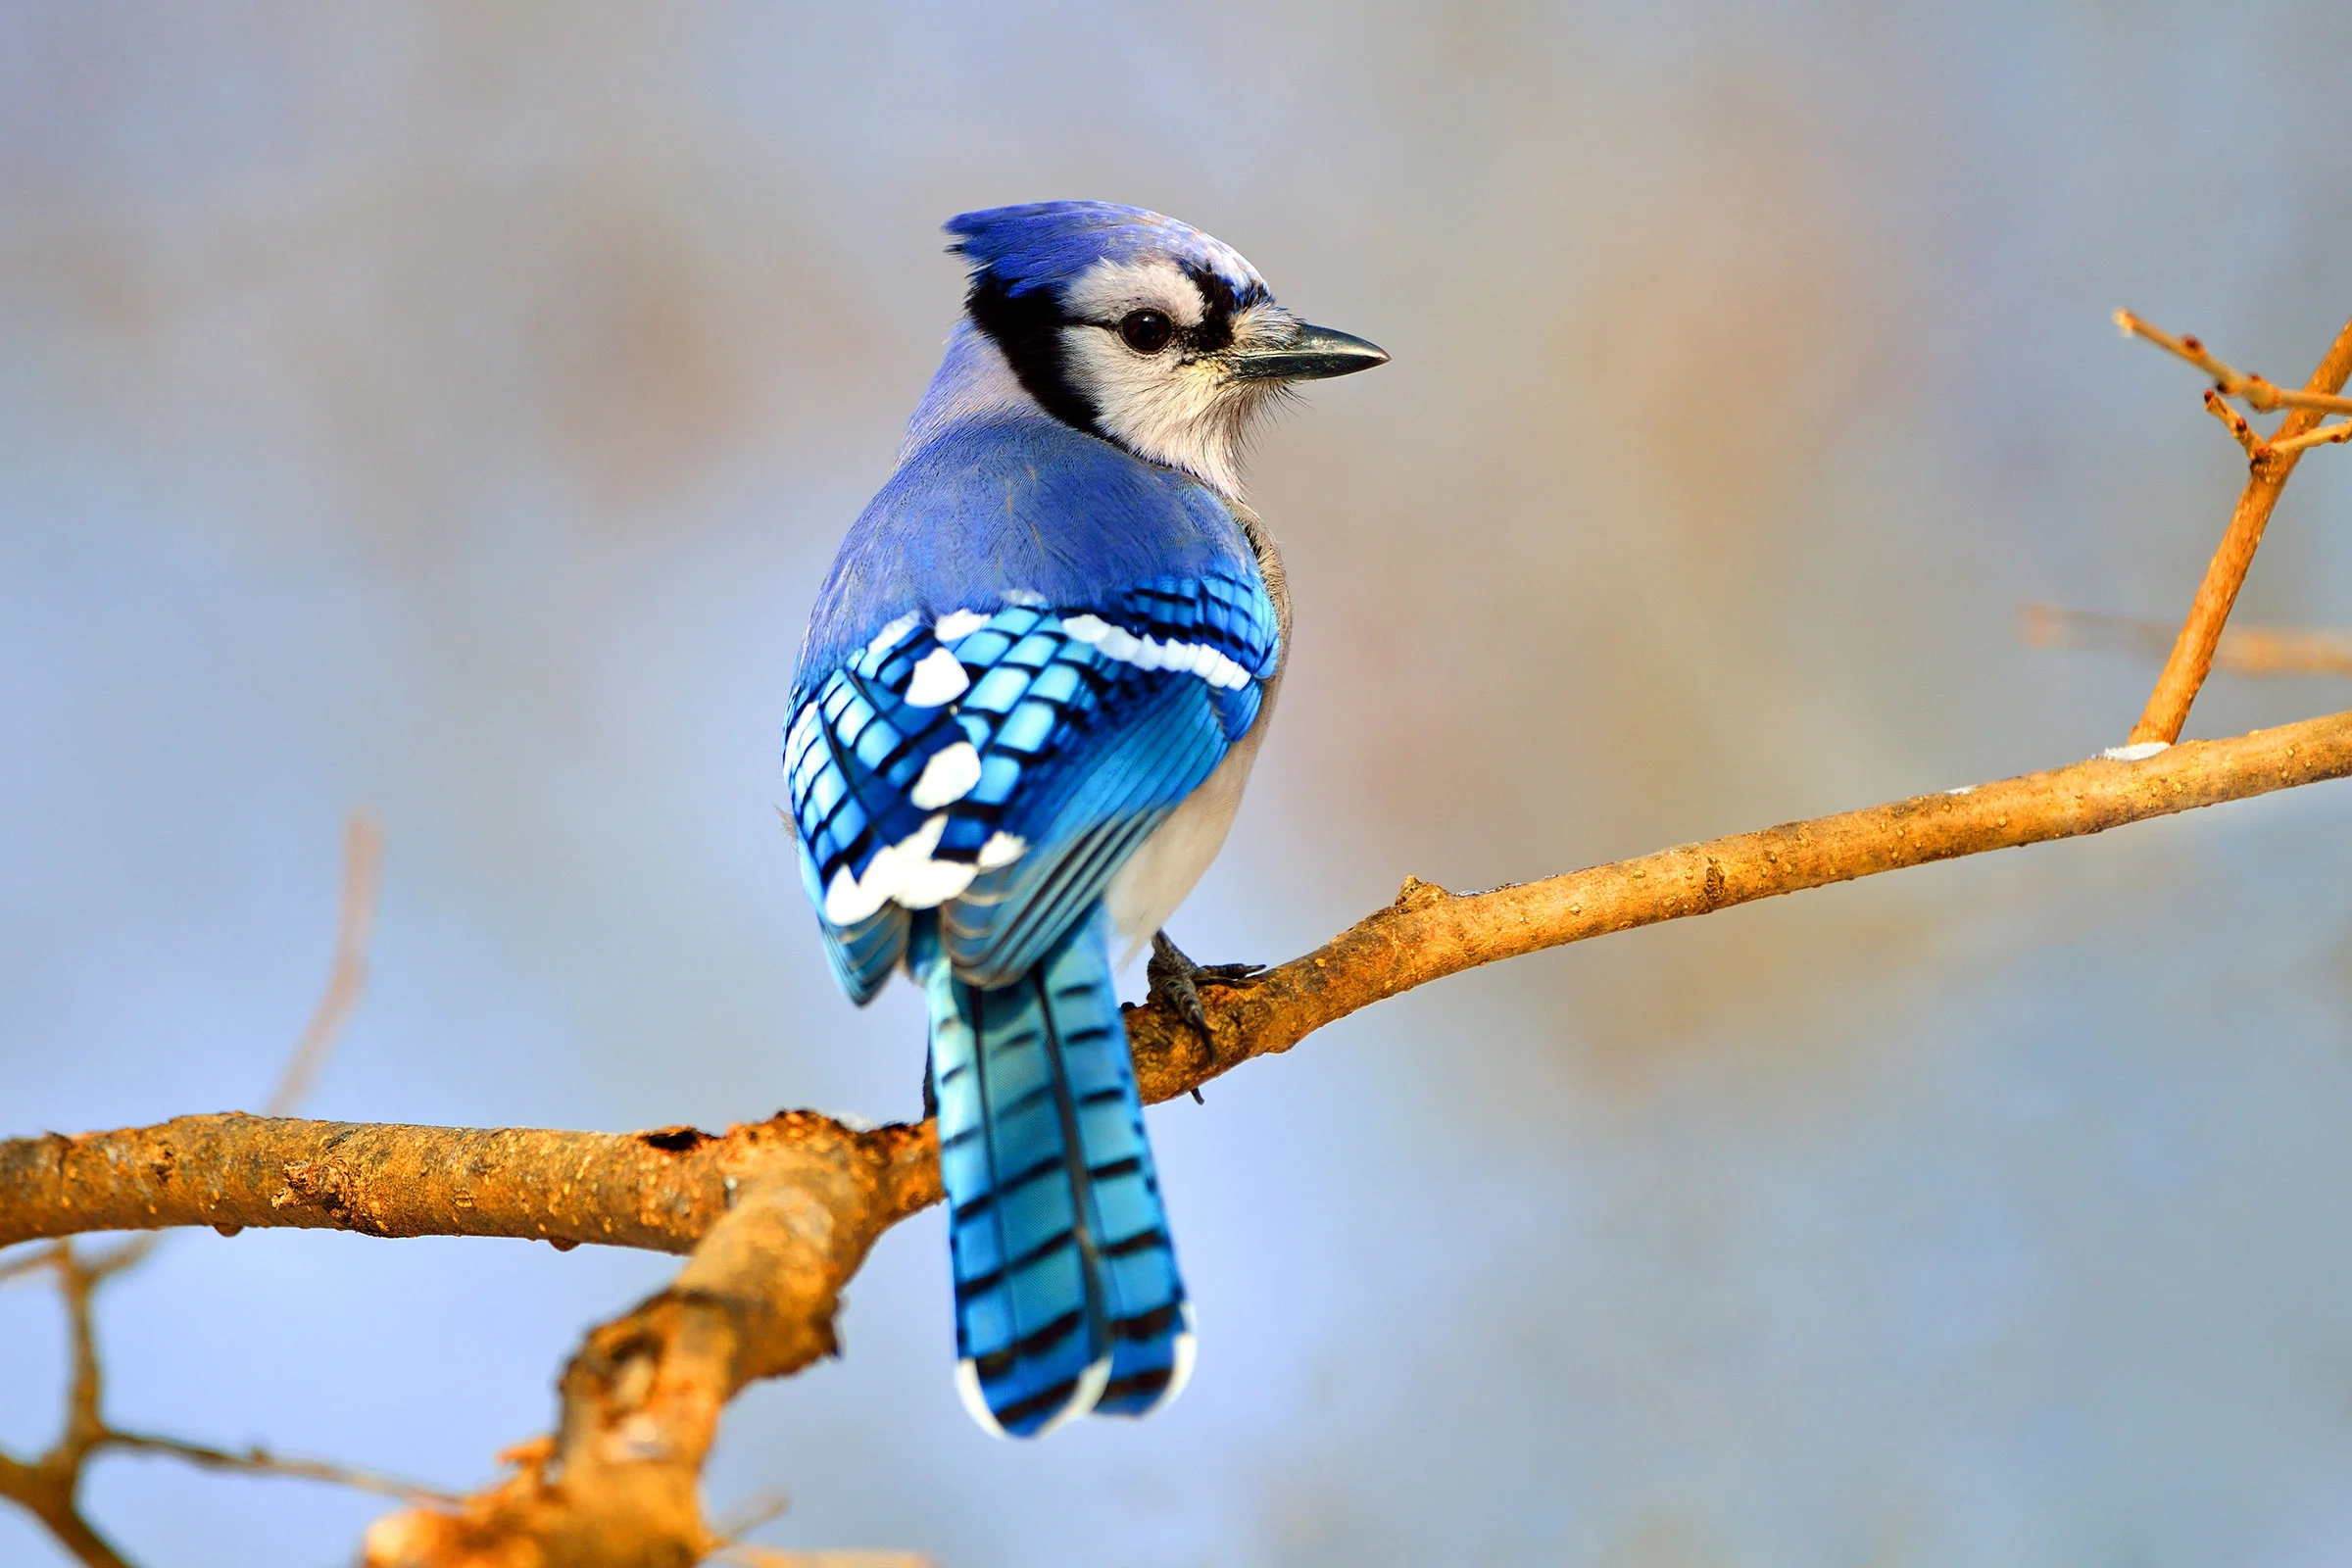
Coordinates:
[451,410]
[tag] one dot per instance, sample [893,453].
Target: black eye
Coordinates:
[1146,332]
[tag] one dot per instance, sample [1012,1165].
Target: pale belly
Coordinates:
[1156,877]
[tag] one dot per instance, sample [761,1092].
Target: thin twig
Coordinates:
[760,1508]
[2243,650]
[261,1461]
[2326,435]
[2259,392]
[749,1555]
[126,1255]
[32,1260]
[85,1422]
[2269,464]
[49,1486]
[363,865]
[765,1506]
[2219,407]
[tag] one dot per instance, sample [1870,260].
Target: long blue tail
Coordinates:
[1067,1298]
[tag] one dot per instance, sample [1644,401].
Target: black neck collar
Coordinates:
[1027,328]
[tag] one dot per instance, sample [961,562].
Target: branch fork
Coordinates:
[2270,461]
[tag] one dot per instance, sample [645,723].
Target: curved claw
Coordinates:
[1176,980]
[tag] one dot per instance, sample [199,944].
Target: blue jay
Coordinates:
[1027,700]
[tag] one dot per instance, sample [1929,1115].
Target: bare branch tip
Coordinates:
[2239,427]
[2321,436]
[760,1508]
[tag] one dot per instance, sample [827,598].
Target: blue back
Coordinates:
[1018,504]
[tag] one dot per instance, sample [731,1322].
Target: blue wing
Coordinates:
[999,762]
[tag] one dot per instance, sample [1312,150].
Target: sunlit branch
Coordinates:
[2268,463]
[2259,392]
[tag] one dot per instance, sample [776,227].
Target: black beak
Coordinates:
[1315,353]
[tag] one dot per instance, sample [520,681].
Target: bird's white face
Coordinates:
[1161,364]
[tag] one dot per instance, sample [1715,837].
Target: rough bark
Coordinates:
[662,1191]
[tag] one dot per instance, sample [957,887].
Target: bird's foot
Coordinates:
[1176,980]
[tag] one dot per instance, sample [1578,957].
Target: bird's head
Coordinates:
[1141,329]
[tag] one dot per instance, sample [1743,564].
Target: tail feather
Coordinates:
[1067,1299]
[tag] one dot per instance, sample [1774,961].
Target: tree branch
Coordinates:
[2269,464]
[667,1189]
[619,1483]
[661,1190]
[648,1385]
[778,1216]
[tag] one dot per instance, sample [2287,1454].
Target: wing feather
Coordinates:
[1087,726]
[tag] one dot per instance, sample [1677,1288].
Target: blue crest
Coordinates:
[1046,244]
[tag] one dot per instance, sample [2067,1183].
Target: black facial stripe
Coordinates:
[1028,328]
[1218,305]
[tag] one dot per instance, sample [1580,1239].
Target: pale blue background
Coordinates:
[451,409]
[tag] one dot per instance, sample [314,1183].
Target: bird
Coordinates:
[1026,702]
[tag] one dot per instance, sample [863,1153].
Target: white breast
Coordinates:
[1162,873]
[1146,891]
